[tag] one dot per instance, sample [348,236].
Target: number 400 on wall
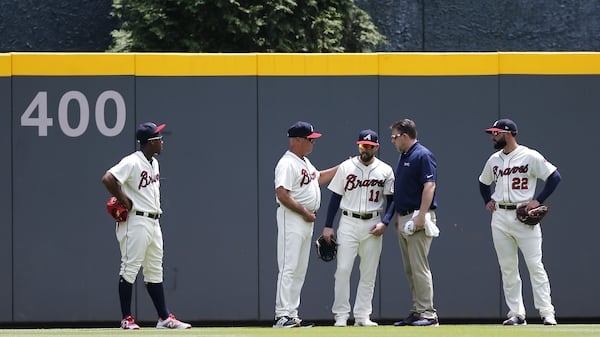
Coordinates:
[42,121]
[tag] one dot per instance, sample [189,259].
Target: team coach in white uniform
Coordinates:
[298,194]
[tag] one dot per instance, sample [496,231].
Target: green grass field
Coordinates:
[532,330]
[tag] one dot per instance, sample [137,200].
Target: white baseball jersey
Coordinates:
[301,178]
[363,187]
[140,237]
[515,174]
[294,234]
[140,181]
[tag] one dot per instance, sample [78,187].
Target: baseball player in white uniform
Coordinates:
[298,194]
[135,182]
[514,170]
[361,187]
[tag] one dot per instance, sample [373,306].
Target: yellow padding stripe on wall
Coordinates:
[5,66]
[195,64]
[436,64]
[583,63]
[252,64]
[72,64]
[317,64]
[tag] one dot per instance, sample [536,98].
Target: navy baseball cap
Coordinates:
[503,125]
[302,129]
[148,130]
[368,137]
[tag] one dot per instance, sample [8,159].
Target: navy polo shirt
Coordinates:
[415,168]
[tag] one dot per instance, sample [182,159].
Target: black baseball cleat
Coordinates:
[285,322]
[303,324]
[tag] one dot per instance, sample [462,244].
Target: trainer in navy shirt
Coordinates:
[415,167]
[414,189]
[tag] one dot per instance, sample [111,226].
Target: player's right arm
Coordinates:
[284,197]
[114,188]
[486,194]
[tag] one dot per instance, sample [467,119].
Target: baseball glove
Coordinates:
[534,216]
[116,209]
[326,251]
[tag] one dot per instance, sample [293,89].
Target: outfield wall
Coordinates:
[66,118]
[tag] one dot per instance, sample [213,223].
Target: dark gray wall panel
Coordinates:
[223,139]
[6,226]
[65,252]
[558,115]
[339,107]
[450,113]
[209,194]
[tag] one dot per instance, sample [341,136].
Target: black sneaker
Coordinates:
[407,321]
[426,322]
[285,322]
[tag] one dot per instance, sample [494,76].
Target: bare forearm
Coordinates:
[326,175]
[427,197]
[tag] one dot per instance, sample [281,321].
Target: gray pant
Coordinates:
[415,249]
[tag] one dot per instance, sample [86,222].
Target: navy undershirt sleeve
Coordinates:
[486,192]
[389,209]
[334,205]
[549,187]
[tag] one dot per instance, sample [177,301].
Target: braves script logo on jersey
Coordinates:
[517,183]
[307,177]
[510,170]
[352,182]
[146,180]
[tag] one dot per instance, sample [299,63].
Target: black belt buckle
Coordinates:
[359,216]
[507,207]
[150,215]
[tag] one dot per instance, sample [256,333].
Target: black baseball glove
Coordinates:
[534,216]
[326,251]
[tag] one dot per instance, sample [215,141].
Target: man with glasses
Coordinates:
[514,170]
[135,182]
[361,187]
[298,194]
[414,207]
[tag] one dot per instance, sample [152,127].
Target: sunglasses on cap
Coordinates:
[366,146]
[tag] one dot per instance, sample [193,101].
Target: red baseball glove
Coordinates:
[116,209]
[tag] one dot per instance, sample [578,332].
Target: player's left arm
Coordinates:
[379,228]
[549,187]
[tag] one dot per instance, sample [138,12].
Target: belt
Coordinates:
[403,213]
[363,216]
[507,207]
[149,215]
